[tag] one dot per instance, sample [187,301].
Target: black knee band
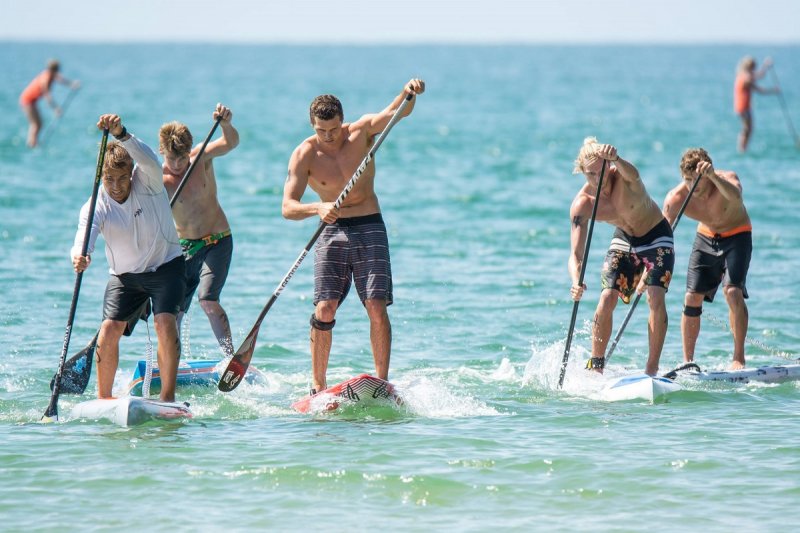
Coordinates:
[596,363]
[320,325]
[690,310]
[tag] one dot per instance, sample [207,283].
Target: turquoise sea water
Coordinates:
[475,187]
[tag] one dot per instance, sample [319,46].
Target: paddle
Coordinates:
[585,260]
[237,366]
[52,125]
[639,296]
[785,108]
[51,414]
[185,178]
[78,368]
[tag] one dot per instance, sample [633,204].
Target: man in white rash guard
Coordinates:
[143,253]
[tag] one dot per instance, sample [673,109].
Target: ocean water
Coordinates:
[475,188]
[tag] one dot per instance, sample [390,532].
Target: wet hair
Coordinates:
[588,149]
[691,157]
[326,107]
[117,157]
[175,138]
[53,65]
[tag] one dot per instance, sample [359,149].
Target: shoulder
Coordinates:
[305,151]
[581,204]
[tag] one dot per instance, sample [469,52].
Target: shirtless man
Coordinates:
[643,238]
[743,87]
[354,245]
[204,232]
[722,247]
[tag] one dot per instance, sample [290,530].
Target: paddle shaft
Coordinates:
[51,126]
[241,359]
[639,295]
[785,108]
[185,178]
[584,261]
[52,409]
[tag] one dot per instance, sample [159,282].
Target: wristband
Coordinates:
[122,135]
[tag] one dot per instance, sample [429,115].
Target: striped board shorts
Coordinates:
[628,256]
[351,250]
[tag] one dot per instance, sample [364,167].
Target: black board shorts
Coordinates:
[127,295]
[723,260]
[207,271]
[353,250]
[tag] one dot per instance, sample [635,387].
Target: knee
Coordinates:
[608,301]
[326,311]
[212,307]
[733,295]
[656,297]
[376,310]
[112,329]
[166,324]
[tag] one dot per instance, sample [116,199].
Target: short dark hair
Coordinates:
[691,157]
[325,107]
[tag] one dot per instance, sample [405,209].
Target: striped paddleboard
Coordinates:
[362,390]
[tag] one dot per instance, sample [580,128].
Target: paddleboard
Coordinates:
[130,411]
[638,387]
[362,390]
[202,373]
[764,374]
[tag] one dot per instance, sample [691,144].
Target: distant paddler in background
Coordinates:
[721,251]
[354,247]
[743,87]
[39,88]
[643,238]
[203,228]
[143,253]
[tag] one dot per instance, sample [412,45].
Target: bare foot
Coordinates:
[736,365]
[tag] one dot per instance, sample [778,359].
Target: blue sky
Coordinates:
[409,21]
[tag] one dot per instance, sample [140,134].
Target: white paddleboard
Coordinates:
[638,387]
[130,411]
[764,374]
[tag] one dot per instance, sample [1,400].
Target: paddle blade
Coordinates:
[237,366]
[77,370]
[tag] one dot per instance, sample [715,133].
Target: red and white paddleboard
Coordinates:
[363,390]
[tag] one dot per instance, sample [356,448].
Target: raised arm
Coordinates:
[625,170]
[229,139]
[146,160]
[725,181]
[375,123]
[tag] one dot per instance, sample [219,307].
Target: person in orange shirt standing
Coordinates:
[40,87]
[743,88]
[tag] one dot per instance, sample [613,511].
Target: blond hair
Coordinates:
[175,138]
[747,63]
[117,157]
[586,152]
